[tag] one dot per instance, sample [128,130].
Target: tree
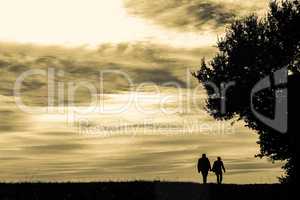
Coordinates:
[251,50]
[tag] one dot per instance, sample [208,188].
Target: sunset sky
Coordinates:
[151,135]
[84,22]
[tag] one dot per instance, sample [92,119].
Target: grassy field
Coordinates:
[141,191]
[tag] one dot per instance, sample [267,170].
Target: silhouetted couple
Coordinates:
[204,167]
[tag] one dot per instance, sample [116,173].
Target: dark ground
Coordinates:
[141,191]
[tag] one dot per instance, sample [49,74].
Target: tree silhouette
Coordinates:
[251,50]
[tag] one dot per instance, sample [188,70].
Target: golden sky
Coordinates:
[81,22]
[145,39]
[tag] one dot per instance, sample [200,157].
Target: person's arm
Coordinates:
[198,166]
[223,167]
[209,165]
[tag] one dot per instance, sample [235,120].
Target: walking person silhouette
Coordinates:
[203,167]
[218,168]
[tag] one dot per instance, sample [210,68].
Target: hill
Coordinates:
[140,190]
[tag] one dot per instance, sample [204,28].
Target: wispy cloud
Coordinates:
[194,15]
[142,62]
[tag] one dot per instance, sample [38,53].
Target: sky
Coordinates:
[158,131]
[83,22]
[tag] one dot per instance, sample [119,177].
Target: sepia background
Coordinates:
[156,44]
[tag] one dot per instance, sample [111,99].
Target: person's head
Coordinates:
[219,158]
[204,155]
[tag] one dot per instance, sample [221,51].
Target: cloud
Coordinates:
[194,15]
[11,120]
[142,62]
[52,148]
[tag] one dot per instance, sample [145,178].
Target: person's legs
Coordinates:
[221,177]
[204,175]
[218,178]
